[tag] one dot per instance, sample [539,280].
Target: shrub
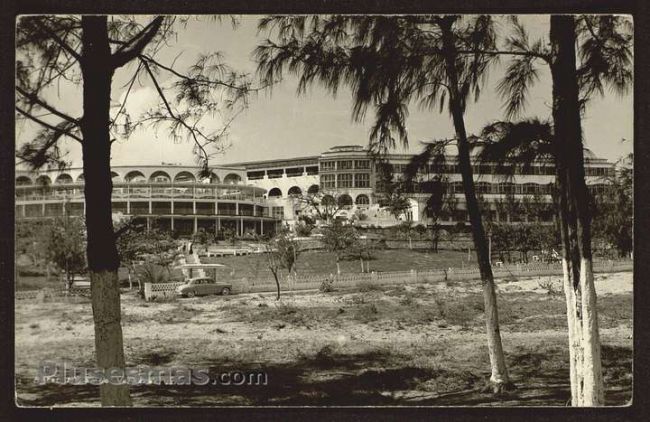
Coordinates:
[326,286]
[553,288]
[304,230]
[151,273]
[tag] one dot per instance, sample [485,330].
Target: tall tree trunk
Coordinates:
[103,260]
[499,377]
[580,293]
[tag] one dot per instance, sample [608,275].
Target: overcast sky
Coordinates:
[280,124]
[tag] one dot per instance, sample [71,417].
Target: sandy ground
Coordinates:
[415,344]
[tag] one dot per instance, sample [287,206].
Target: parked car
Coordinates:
[200,286]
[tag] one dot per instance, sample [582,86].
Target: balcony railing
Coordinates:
[146,191]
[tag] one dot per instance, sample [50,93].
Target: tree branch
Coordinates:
[171,113]
[60,41]
[529,53]
[200,81]
[128,92]
[49,126]
[134,47]
[35,99]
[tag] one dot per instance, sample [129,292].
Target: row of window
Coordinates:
[131,177]
[512,188]
[345,180]
[345,165]
[143,208]
[548,170]
[278,173]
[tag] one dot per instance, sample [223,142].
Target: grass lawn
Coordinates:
[322,262]
[408,345]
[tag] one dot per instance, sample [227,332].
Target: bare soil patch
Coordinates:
[402,345]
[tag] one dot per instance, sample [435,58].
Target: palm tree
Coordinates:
[389,62]
[604,59]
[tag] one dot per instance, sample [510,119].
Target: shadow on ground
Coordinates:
[329,378]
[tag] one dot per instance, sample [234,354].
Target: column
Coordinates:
[196,224]
[241,226]
[172,223]
[148,224]
[150,207]
[261,227]
[128,207]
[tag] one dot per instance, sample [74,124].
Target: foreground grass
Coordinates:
[406,345]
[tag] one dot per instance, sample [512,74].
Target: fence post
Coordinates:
[373,276]
[147,291]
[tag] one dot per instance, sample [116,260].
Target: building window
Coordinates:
[362,200]
[344,180]
[399,168]
[255,175]
[278,212]
[362,180]
[294,172]
[530,188]
[275,174]
[328,165]
[327,181]
[506,188]
[312,170]
[457,187]
[362,164]
[345,165]
[483,187]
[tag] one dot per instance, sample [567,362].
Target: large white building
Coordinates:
[253,197]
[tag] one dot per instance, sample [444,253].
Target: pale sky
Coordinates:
[279,124]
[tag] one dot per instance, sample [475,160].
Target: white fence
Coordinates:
[308,282]
[160,290]
[50,293]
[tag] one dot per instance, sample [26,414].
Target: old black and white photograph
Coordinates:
[309,210]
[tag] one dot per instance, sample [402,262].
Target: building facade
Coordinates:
[167,197]
[254,197]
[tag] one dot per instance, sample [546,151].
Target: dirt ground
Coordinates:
[402,345]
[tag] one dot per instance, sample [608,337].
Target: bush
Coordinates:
[304,230]
[553,288]
[326,286]
[151,273]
